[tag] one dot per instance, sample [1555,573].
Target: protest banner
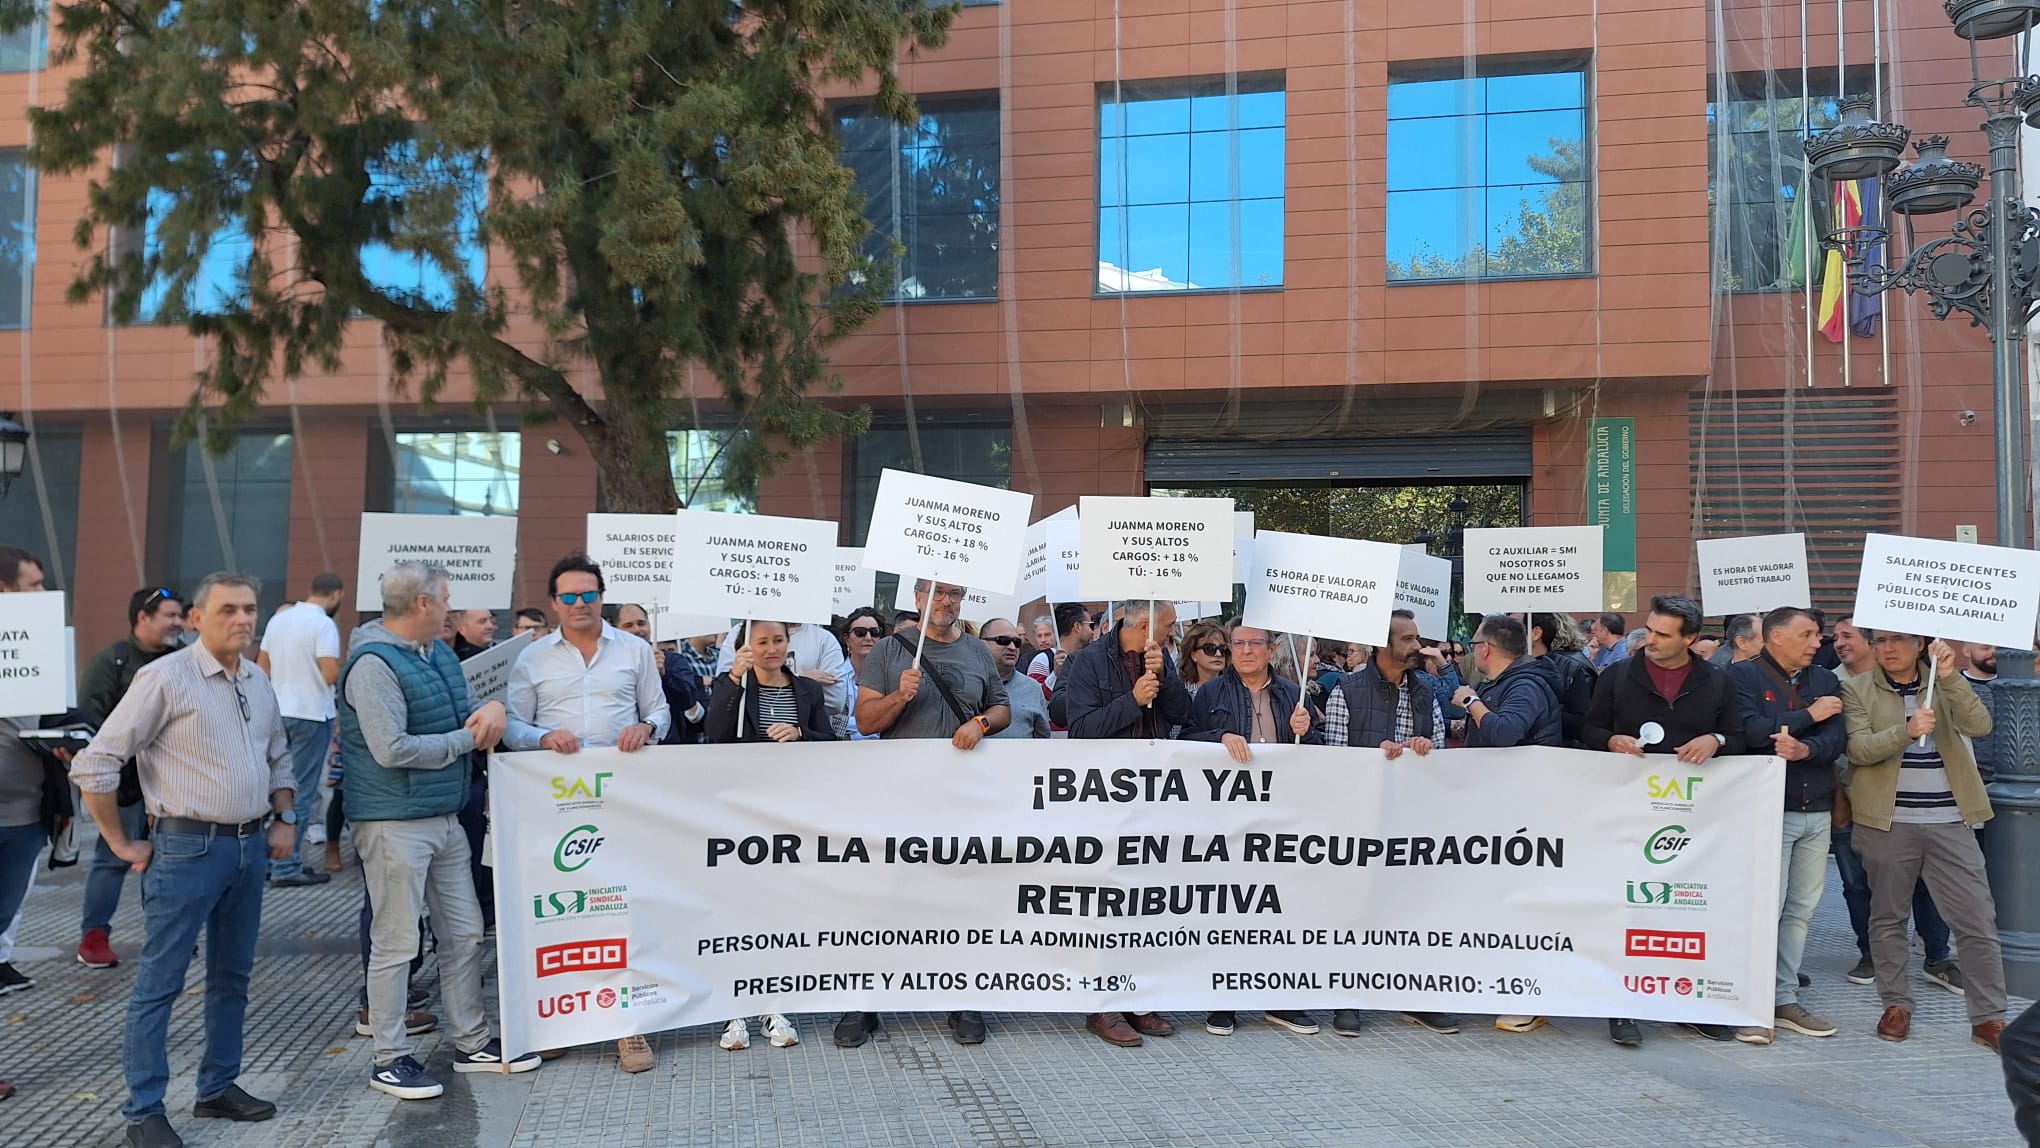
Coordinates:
[1195,611]
[1034,564]
[1752,574]
[978,606]
[1155,548]
[1522,568]
[35,659]
[854,584]
[479,554]
[753,566]
[488,672]
[1961,591]
[955,532]
[1423,586]
[686,885]
[1065,560]
[1328,587]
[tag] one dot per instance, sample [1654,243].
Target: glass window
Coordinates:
[17,237]
[55,456]
[700,473]
[425,197]
[1755,167]
[1190,185]
[980,453]
[1489,176]
[934,187]
[221,281]
[23,49]
[233,513]
[472,473]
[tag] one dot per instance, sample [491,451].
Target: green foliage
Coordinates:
[652,169]
[1549,236]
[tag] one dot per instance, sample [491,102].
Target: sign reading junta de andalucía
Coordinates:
[1611,502]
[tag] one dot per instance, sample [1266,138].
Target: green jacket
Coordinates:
[1877,741]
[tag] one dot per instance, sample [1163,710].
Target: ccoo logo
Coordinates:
[1665,844]
[1661,943]
[583,957]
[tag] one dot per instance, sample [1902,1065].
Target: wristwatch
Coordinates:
[984,723]
[288,817]
[1721,739]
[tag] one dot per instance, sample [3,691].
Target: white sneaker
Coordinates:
[736,1035]
[780,1031]
[315,835]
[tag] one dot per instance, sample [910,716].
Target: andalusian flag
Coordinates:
[1834,282]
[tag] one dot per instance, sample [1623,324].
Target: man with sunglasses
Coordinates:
[1030,705]
[155,623]
[301,655]
[215,769]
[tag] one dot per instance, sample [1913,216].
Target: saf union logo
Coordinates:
[583,957]
[1661,943]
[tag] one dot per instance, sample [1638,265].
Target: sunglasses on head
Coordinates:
[583,596]
[157,595]
[1213,650]
[866,632]
[1008,640]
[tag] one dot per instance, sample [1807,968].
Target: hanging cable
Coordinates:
[1806,184]
[1883,217]
[1843,301]
[30,186]
[1009,280]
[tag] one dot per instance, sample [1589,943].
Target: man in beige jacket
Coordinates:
[1917,797]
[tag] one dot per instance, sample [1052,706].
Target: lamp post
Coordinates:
[13,451]
[1985,268]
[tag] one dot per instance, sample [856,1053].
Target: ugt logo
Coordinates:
[1673,788]
[567,788]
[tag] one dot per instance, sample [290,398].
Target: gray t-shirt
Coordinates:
[965,664]
[1030,708]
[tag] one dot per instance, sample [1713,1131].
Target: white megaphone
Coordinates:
[1651,734]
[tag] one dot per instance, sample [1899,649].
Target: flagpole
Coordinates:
[1806,187]
[1843,311]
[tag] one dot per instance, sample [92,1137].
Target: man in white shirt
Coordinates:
[587,683]
[812,652]
[301,654]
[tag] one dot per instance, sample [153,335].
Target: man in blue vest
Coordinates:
[409,728]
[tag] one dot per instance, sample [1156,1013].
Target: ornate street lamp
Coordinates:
[1986,268]
[13,451]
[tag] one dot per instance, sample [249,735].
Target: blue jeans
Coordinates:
[1927,920]
[309,741]
[20,846]
[103,881]
[193,882]
[1802,875]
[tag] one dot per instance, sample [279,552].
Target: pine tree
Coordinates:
[661,175]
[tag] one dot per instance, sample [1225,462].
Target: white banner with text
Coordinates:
[688,885]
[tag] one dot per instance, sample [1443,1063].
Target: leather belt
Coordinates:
[208,828]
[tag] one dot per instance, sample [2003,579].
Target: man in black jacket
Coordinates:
[1124,685]
[1551,644]
[1693,706]
[1794,705]
[1518,704]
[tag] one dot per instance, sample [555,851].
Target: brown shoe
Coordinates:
[1895,1024]
[1986,1034]
[1150,1024]
[634,1053]
[6,1090]
[551,1053]
[1111,1027]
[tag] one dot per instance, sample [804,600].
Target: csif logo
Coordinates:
[577,848]
[1664,845]
[1661,943]
[583,957]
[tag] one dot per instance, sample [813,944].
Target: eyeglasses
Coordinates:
[867,632]
[1479,642]
[157,595]
[1008,640]
[243,699]
[583,596]
[949,593]
[1212,650]
[1250,643]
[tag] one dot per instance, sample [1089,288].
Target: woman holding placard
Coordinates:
[778,705]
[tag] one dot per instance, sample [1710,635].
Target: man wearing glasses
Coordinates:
[301,655]
[1029,704]
[215,770]
[155,623]
[588,684]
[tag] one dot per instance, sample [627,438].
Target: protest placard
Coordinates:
[488,672]
[635,552]
[1198,611]
[955,532]
[1034,565]
[753,566]
[33,654]
[1961,591]
[479,554]
[1338,588]
[1156,548]
[1521,568]
[852,587]
[978,605]
[1752,574]
[1243,545]
[1423,586]
[1065,560]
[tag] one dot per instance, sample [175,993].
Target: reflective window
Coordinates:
[981,453]
[700,473]
[1755,167]
[17,237]
[220,283]
[233,513]
[23,49]
[471,473]
[1488,176]
[934,187]
[1190,185]
[426,197]
[54,458]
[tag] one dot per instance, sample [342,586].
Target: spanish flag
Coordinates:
[1835,289]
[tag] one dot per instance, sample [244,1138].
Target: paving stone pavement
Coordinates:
[1039,1081]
